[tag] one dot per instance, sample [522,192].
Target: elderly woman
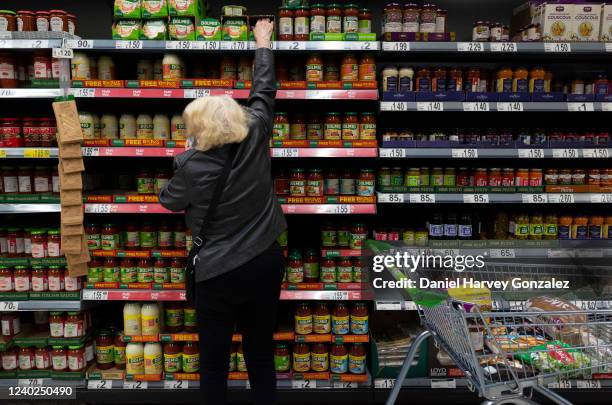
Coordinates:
[239,268]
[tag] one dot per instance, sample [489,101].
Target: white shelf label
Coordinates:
[597,153]
[346,384]
[9,306]
[62,53]
[410,306]
[606,107]
[476,198]
[234,45]
[80,43]
[396,46]
[95,295]
[565,153]
[531,153]
[579,107]
[391,198]
[561,198]
[388,306]
[393,153]
[464,153]
[535,198]
[98,208]
[360,46]
[84,93]
[134,44]
[608,46]
[452,383]
[335,295]
[470,46]
[384,383]
[196,93]
[8,92]
[430,106]
[588,384]
[30,382]
[502,253]
[504,47]
[36,43]
[90,151]
[510,107]
[341,209]
[99,384]
[184,45]
[135,385]
[303,384]
[561,384]
[559,47]
[285,152]
[601,198]
[422,198]
[479,106]
[291,45]
[591,253]
[394,106]
[176,385]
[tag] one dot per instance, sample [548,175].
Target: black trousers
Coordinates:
[246,297]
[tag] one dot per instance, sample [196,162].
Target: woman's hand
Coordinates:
[263,33]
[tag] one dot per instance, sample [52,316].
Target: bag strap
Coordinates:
[198,241]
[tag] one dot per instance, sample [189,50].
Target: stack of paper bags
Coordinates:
[69,138]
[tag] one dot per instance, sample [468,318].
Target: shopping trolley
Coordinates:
[509,353]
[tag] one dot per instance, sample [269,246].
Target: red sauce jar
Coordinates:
[54,243]
[76,358]
[74,325]
[58,20]
[367,67]
[297,183]
[8,71]
[281,183]
[314,185]
[42,179]
[314,128]
[301,24]
[104,350]
[8,20]
[9,180]
[481,178]
[109,237]
[6,279]
[42,65]
[39,244]
[27,360]
[72,24]
[495,177]
[164,236]
[347,183]
[297,127]
[367,126]
[14,242]
[350,126]
[10,360]
[285,24]
[56,324]
[349,69]
[332,182]
[22,278]
[47,129]
[119,351]
[39,279]
[55,276]
[318,13]
[332,129]
[42,358]
[31,133]
[334,18]
[42,21]
[25,177]
[59,360]
[10,132]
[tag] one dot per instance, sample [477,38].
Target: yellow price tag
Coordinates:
[2,153]
[37,153]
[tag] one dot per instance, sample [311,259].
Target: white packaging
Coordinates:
[556,21]
[586,22]
[606,23]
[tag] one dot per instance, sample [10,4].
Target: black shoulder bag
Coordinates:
[200,239]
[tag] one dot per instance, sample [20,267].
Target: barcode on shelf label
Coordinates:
[565,153]
[30,382]
[534,198]
[135,385]
[588,384]
[384,383]
[430,106]
[580,107]
[598,153]
[561,384]
[470,46]
[561,198]
[99,384]
[9,306]
[291,45]
[37,153]
[476,198]
[561,47]
[503,47]
[451,383]
[394,106]
[502,253]
[95,295]
[601,198]
[196,93]
[84,93]
[510,107]
[480,106]
[388,305]
[396,46]
[464,153]
[393,153]
[285,152]
[303,384]
[335,295]
[341,209]
[176,385]
[346,384]
[531,153]
[422,198]
[135,44]
[391,198]
[62,53]
[80,43]
[606,107]
[89,151]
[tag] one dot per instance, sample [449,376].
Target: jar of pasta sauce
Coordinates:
[31,136]
[22,278]
[347,183]
[76,358]
[73,326]
[314,185]
[27,360]
[58,20]
[6,279]
[42,65]
[59,360]
[42,21]
[10,132]
[56,324]
[40,281]
[365,183]
[72,283]
[25,177]
[42,179]
[47,130]
[55,276]
[281,182]
[14,241]
[39,243]
[285,24]
[42,358]
[54,243]
[297,183]
[26,21]
[367,126]
[8,73]
[314,128]
[331,185]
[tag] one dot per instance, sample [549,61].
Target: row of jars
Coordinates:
[485,31]
[153,359]
[27,132]
[126,270]
[37,279]
[297,24]
[578,177]
[349,126]
[317,183]
[310,269]
[130,126]
[339,321]
[461,177]
[145,318]
[41,21]
[428,18]
[152,182]
[30,242]
[19,71]
[29,180]
[134,236]
[56,358]
[317,357]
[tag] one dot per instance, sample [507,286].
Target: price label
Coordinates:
[181,45]
[84,93]
[388,306]
[285,152]
[196,93]
[470,47]
[608,46]
[588,384]
[396,46]
[9,306]
[561,384]
[99,384]
[36,44]
[37,153]
[606,107]
[8,92]
[135,385]
[504,47]
[452,383]
[531,153]
[579,107]
[393,153]
[410,306]
[510,107]
[480,106]
[303,384]
[561,198]
[597,153]
[80,43]
[394,106]
[422,198]
[176,385]
[89,151]
[341,209]
[345,384]
[2,153]
[234,45]
[95,295]
[464,153]
[30,382]
[291,45]
[391,198]
[565,153]
[384,383]
[601,198]
[430,106]
[476,198]
[211,45]
[502,253]
[62,53]
[98,208]
[335,295]
[559,47]
[535,198]
[135,44]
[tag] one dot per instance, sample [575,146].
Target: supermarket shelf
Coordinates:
[323,152]
[439,106]
[340,252]
[508,198]
[42,305]
[127,208]
[34,153]
[128,151]
[30,93]
[30,43]
[340,209]
[508,48]
[28,208]
[326,295]
[492,153]
[133,295]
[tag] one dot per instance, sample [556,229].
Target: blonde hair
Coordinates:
[214,121]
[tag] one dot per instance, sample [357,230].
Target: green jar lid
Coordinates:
[57,347]
[73,313]
[8,12]
[75,347]
[318,5]
[350,113]
[55,313]
[53,232]
[368,113]
[38,267]
[351,5]
[332,113]
[365,10]
[282,345]
[297,170]
[21,267]
[295,254]
[56,267]
[38,232]
[13,229]
[335,5]
[311,252]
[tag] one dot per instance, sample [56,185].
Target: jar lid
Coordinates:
[42,12]
[12,229]
[318,5]
[21,267]
[335,5]
[57,347]
[8,12]
[299,169]
[350,113]
[71,16]
[56,313]
[38,267]
[75,347]
[25,12]
[365,10]
[303,8]
[53,232]
[55,267]
[38,232]
[333,113]
[74,313]
[57,12]
[351,5]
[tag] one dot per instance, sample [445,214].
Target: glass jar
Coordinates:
[25,177]
[6,279]
[350,127]
[39,279]
[314,184]
[364,21]
[55,277]
[334,19]
[297,127]
[314,68]
[119,351]
[429,14]
[39,244]
[58,21]
[314,128]
[423,79]
[301,24]
[367,68]
[22,279]
[366,183]
[177,270]
[26,20]
[42,21]
[59,359]
[27,360]
[8,78]
[56,324]
[481,31]
[347,183]
[349,69]
[8,21]
[73,326]
[520,80]
[392,18]
[285,24]
[318,22]
[72,283]
[331,185]
[104,350]
[297,183]
[332,129]
[281,127]
[76,358]
[350,20]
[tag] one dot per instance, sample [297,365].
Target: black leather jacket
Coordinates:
[248,218]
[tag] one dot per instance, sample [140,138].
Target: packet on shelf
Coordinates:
[71,150]
[154,8]
[72,165]
[72,197]
[72,230]
[70,181]
[127,9]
